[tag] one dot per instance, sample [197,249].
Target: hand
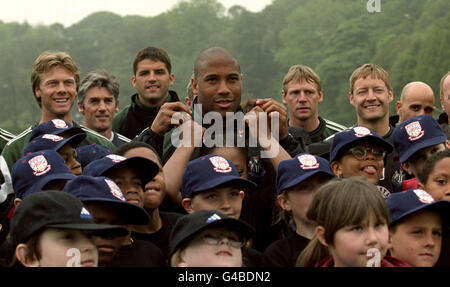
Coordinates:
[271,106]
[163,121]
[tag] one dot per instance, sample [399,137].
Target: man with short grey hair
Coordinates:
[98,101]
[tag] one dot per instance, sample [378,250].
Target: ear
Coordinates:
[241,194]
[398,105]
[283,202]
[447,144]
[389,246]
[391,96]
[320,234]
[283,97]
[336,168]
[320,97]
[80,108]
[171,79]
[187,205]
[194,84]
[116,109]
[405,167]
[420,185]
[133,81]
[21,254]
[351,98]
[16,202]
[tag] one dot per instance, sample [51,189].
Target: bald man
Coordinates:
[445,99]
[417,98]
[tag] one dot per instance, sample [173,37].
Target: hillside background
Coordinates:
[409,38]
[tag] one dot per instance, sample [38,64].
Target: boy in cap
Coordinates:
[49,225]
[360,152]
[298,180]
[415,140]
[107,204]
[208,238]
[416,226]
[64,146]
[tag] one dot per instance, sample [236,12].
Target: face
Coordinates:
[201,252]
[152,81]
[418,101]
[154,191]
[69,154]
[371,99]
[370,166]
[226,199]
[351,243]
[107,246]
[414,164]
[417,239]
[55,243]
[302,99]
[438,183]
[445,97]
[218,85]
[129,182]
[57,91]
[236,156]
[98,108]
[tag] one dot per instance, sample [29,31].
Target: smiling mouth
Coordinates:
[372,107]
[61,101]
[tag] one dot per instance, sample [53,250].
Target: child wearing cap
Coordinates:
[298,180]
[352,226]
[107,204]
[360,152]
[208,238]
[416,227]
[53,229]
[415,140]
[154,192]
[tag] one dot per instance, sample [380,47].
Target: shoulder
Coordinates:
[94,137]
[5,135]
[333,126]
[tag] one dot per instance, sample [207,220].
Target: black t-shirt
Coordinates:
[251,257]
[161,237]
[140,253]
[284,252]
[444,259]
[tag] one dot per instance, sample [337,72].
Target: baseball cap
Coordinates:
[402,204]
[187,226]
[344,140]
[56,209]
[51,141]
[88,153]
[294,171]
[56,127]
[145,168]
[416,133]
[210,171]
[104,190]
[32,172]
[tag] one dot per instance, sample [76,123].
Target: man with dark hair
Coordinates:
[152,79]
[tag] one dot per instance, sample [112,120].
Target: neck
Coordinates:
[381,127]
[305,229]
[309,124]
[154,225]
[67,118]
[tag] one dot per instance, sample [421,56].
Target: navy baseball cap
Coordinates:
[56,127]
[416,133]
[145,168]
[294,171]
[344,140]
[187,226]
[402,204]
[210,171]
[32,172]
[104,190]
[88,153]
[51,141]
[55,209]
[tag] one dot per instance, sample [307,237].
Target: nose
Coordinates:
[152,76]
[224,240]
[369,155]
[302,97]
[371,237]
[102,106]
[129,188]
[61,88]
[371,95]
[429,241]
[223,88]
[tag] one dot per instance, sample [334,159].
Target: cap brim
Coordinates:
[98,229]
[42,182]
[423,144]
[128,212]
[302,178]
[146,168]
[373,139]
[74,140]
[442,206]
[71,131]
[214,182]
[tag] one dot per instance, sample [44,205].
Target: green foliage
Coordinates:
[409,38]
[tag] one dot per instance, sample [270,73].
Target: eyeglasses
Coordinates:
[216,239]
[360,152]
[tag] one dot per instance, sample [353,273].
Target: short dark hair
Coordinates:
[123,149]
[152,53]
[430,163]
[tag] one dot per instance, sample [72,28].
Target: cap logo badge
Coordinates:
[115,190]
[384,191]
[220,164]
[361,131]
[39,165]
[423,196]
[213,218]
[308,161]
[85,214]
[115,157]
[60,124]
[414,131]
[52,137]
